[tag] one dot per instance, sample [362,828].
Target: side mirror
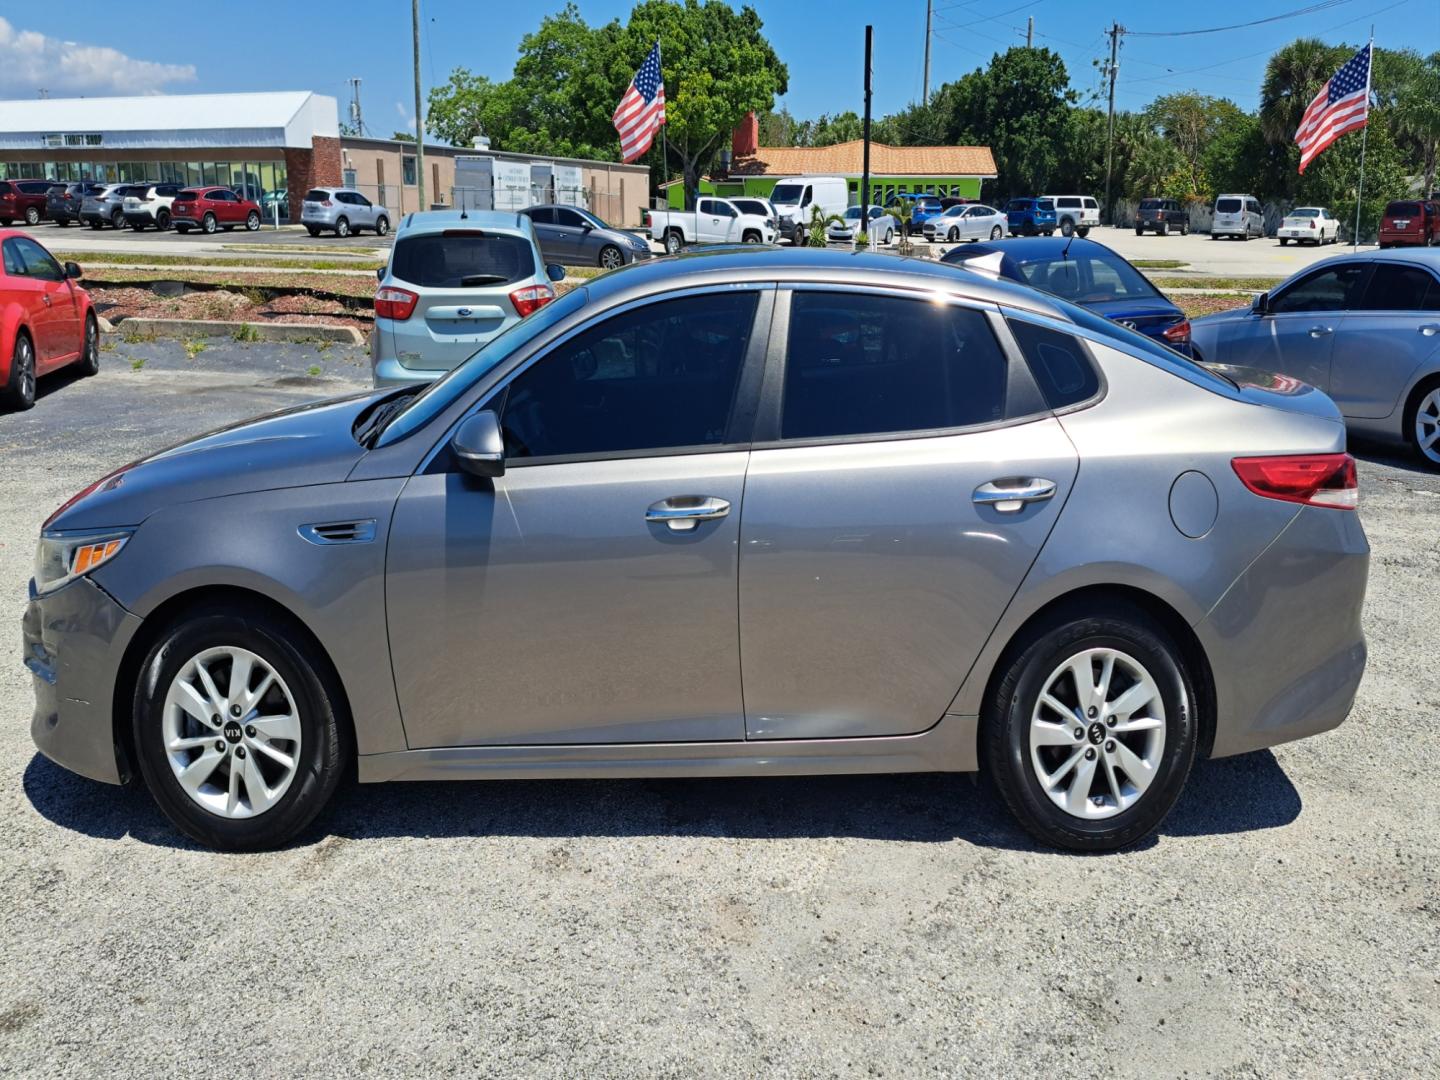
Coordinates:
[555,272]
[1261,306]
[380,273]
[587,227]
[72,271]
[478,445]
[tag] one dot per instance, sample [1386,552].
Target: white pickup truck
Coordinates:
[713,221]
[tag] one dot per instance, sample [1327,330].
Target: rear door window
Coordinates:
[1334,289]
[861,364]
[462,258]
[541,215]
[1401,288]
[658,377]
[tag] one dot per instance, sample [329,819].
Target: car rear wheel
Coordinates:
[995,232]
[162,221]
[62,221]
[1284,242]
[208,223]
[312,230]
[1084,231]
[237,729]
[90,349]
[382,226]
[1139,231]
[138,225]
[32,216]
[117,219]
[1090,734]
[18,393]
[673,242]
[1067,228]
[93,224]
[252,221]
[342,227]
[1184,228]
[611,259]
[1422,422]
[182,229]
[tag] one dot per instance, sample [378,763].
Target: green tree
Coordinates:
[1192,122]
[829,130]
[1416,111]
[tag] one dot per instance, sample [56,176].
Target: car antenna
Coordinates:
[1065,252]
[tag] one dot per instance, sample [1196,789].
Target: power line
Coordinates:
[1310,10]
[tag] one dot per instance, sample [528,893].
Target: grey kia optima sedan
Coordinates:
[747,513]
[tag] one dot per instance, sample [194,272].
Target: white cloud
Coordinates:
[407,121]
[30,61]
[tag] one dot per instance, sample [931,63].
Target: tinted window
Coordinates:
[39,263]
[541,215]
[1085,279]
[1403,209]
[570,219]
[1019,204]
[1335,289]
[316,195]
[1059,364]
[1045,204]
[1227,206]
[186,196]
[14,265]
[1151,204]
[459,258]
[660,376]
[5,188]
[35,187]
[1401,288]
[860,365]
[786,193]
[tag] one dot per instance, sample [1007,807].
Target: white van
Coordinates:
[794,197]
[1075,213]
[1237,215]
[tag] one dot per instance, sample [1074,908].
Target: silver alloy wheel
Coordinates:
[610,258]
[1427,426]
[234,752]
[25,366]
[1097,733]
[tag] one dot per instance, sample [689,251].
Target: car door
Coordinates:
[364,210]
[29,294]
[876,555]
[547,233]
[588,595]
[575,237]
[1296,333]
[52,307]
[1394,328]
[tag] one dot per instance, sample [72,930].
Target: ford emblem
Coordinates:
[464,313]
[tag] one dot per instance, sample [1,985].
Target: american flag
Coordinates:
[1342,105]
[642,110]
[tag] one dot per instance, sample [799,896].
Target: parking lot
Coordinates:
[1284,921]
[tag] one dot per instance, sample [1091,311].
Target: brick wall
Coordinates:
[307,168]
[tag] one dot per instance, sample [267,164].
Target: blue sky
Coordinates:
[91,48]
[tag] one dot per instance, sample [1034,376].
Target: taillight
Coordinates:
[1312,223]
[1313,479]
[397,304]
[1179,334]
[531,298]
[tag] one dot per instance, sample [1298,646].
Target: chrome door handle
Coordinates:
[1010,494]
[1430,329]
[46,298]
[1321,331]
[683,512]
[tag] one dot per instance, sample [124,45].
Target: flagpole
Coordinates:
[1360,194]
[664,141]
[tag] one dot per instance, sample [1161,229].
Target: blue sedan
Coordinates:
[1085,273]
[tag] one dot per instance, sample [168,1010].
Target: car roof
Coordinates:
[823,266]
[1415,256]
[433,221]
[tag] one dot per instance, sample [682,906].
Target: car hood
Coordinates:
[296,447]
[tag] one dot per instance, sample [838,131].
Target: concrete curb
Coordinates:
[193,328]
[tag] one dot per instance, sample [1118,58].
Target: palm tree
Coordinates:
[1293,76]
[901,210]
[1416,116]
[819,222]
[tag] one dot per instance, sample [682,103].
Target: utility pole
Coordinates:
[1115,31]
[929,11]
[865,164]
[357,119]
[1030,32]
[419,116]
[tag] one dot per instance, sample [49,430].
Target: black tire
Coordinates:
[312,230]
[1139,231]
[18,393]
[1284,242]
[323,746]
[798,236]
[117,219]
[750,237]
[953,235]
[996,232]
[342,226]
[252,221]
[94,224]
[162,221]
[674,241]
[182,229]
[889,237]
[138,225]
[5,223]
[1412,406]
[1164,229]
[208,223]
[89,362]
[1084,231]
[1004,737]
[32,216]
[382,225]
[1067,228]
[1184,228]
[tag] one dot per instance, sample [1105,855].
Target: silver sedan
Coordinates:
[975,222]
[1363,328]
[742,513]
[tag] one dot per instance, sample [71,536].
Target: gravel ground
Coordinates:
[1285,921]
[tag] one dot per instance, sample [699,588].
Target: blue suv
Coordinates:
[922,208]
[1031,217]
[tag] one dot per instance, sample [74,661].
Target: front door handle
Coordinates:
[1430,329]
[1009,495]
[684,512]
[46,298]
[1321,331]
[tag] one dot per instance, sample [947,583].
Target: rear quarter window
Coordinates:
[462,259]
[1059,363]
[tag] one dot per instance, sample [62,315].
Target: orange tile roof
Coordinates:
[845,159]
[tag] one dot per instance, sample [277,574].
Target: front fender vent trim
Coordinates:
[340,532]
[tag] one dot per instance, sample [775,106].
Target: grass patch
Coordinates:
[1253,284]
[1200,304]
[134,335]
[246,333]
[1158,264]
[313,370]
[137,363]
[323,344]
[201,258]
[356,287]
[583,271]
[292,249]
[194,347]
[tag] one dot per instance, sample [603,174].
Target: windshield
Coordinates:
[1086,279]
[788,194]
[1227,206]
[853,214]
[438,396]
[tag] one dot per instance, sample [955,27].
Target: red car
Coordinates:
[46,319]
[1410,222]
[23,200]
[212,208]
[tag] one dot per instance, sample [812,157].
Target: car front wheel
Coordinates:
[32,216]
[237,729]
[382,226]
[252,222]
[1091,732]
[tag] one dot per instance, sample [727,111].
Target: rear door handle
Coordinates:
[1321,331]
[1430,329]
[684,512]
[1009,495]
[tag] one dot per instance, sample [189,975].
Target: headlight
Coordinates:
[63,557]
